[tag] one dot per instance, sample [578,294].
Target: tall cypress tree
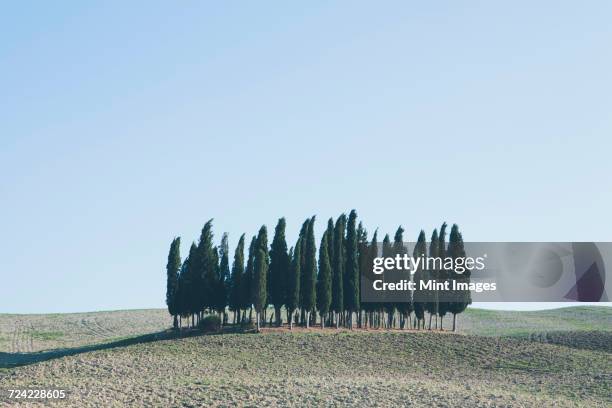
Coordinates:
[223,277]
[432,273]
[460,298]
[309,273]
[351,272]
[338,265]
[363,252]
[191,284]
[279,269]
[235,303]
[388,252]
[404,308]
[206,269]
[292,299]
[371,307]
[419,298]
[443,276]
[247,289]
[172,275]
[260,274]
[330,241]
[324,280]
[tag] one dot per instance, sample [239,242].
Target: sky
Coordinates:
[125,124]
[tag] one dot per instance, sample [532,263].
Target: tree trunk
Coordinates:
[257,319]
[307,319]
[454,322]
[441,321]
[322,321]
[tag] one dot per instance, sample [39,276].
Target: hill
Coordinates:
[126,358]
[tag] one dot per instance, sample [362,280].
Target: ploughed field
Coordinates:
[103,362]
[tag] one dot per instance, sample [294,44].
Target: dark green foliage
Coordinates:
[172,276]
[210,324]
[206,267]
[330,241]
[279,268]
[293,282]
[190,283]
[324,278]
[237,279]
[442,274]
[247,288]
[260,272]
[419,296]
[432,297]
[405,308]
[261,264]
[309,273]
[222,281]
[338,265]
[351,272]
[460,299]
[387,251]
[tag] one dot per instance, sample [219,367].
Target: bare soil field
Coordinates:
[147,366]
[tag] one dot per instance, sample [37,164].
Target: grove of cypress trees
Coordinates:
[337,305]
[351,273]
[432,273]
[236,279]
[419,298]
[460,298]
[324,280]
[279,269]
[292,298]
[309,273]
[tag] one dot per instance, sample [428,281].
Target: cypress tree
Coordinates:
[247,289]
[388,252]
[279,269]
[324,280]
[309,273]
[363,252]
[259,284]
[259,293]
[460,298]
[419,298]
[330,241]
[372,252]
[338,268]
[351,272]
[172,274]
[442,276]
[206,269]
[432,273]
[191,284]
[260,274]
[235,285]
[293,282]
[223,278]
[404,308]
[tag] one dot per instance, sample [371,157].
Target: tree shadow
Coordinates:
[8,360]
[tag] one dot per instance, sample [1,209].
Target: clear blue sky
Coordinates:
[124,124]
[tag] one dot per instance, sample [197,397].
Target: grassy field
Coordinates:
[561,357]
